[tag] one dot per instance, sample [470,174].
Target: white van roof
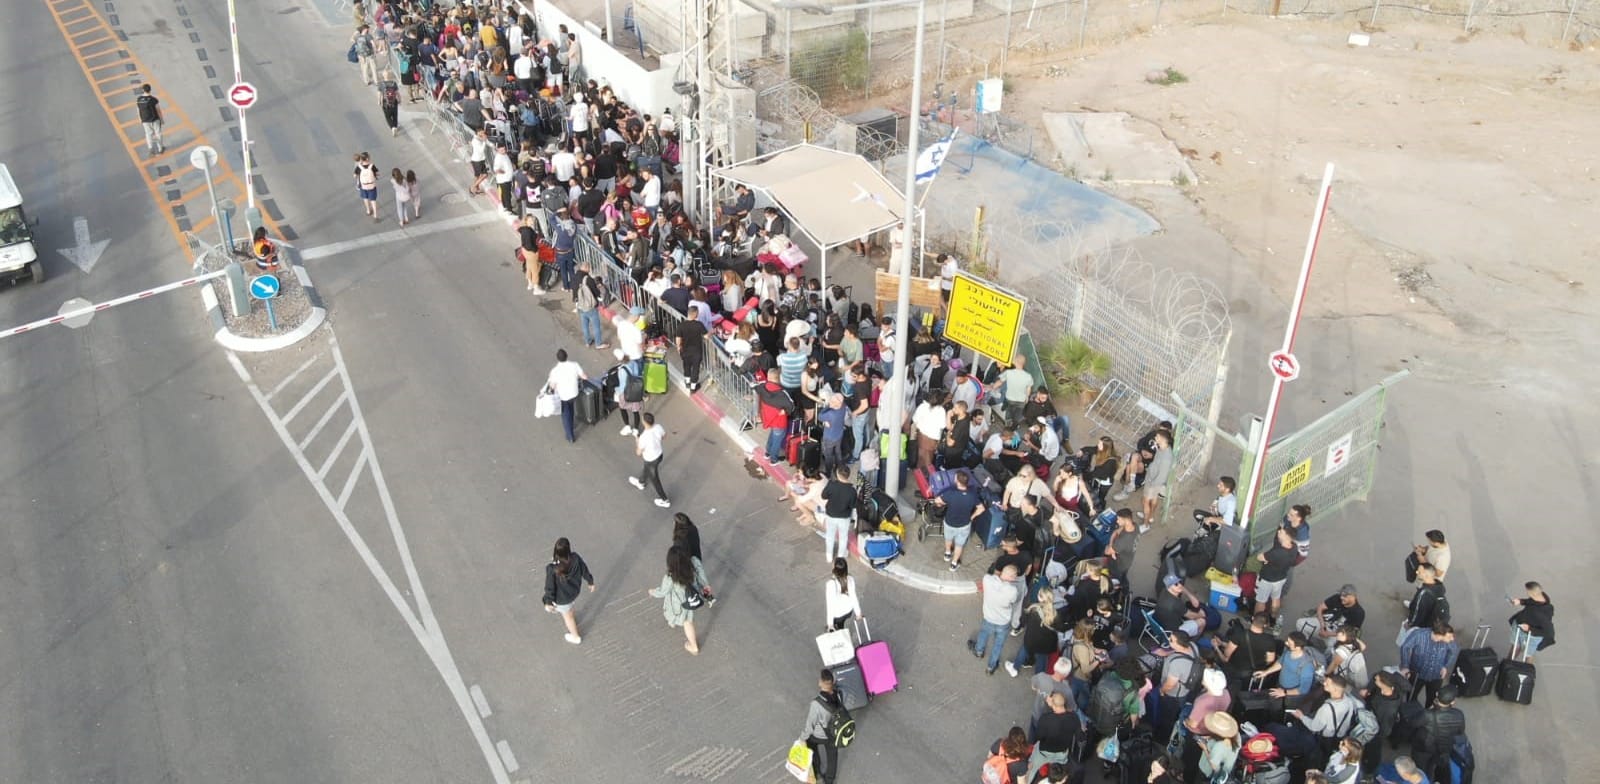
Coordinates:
[9,195]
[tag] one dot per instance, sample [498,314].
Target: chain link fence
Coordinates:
[1162,331]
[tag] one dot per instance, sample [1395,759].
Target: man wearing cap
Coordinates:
[1334,613]
[1177,608]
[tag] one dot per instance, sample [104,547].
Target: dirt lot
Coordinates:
[1460,244]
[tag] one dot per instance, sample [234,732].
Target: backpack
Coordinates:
[1365,727]
[632,385]
[554,198]
[1106,709]
[1461,753]
[841,728]
[1197,672]
[1441,610]
[996,770]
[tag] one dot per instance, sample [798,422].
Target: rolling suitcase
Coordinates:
[590,408]
[1232,543]
[655,373]
[810,456]
[877,664]
[990,528]
[792,442]
[1477,666]
[849,684]
[1515,683]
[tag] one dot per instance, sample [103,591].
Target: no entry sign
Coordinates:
[1284,365]
[242,95]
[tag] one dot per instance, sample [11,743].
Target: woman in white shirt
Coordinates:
[843,603]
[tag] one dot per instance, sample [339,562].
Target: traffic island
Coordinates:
[284,308]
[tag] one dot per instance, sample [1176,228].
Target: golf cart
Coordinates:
[18,259]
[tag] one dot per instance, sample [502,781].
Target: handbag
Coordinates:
[835,647]
[1108,750]
[693,597]
[799,762]
[546,404]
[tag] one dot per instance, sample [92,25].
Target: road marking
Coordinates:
[412,132]
[322,472]
[306,399]
[77,17]
[507,757]
[326,415]
[398,235]
[350,481]
[292,376]
[422,623]
[481,701]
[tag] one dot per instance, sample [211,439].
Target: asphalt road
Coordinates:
[205,583]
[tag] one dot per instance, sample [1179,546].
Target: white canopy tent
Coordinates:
[830,197]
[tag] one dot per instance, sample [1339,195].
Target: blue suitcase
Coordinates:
[879,549]
[989,529]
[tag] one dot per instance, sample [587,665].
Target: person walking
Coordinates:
[564,578]
[648,446]
[413,194]
[677,593]
[686,534]
[150,118]
[691,339]
[366,53]
[389,102]
[838,507]
[1002,607]
[586,296]
[815,734]
[1039,635]
[366,176]
[402,195]
[566,380]
[631,410]
[840,598]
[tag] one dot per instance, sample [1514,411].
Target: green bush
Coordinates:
[833,66]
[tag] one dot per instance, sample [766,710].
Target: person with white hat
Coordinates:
[1213,698]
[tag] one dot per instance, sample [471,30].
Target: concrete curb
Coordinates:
[228,340]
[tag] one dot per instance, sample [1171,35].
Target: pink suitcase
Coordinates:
[877,664]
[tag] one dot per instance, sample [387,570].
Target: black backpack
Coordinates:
[1106,711]
[841,728]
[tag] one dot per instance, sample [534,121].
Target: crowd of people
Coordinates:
[1161,688]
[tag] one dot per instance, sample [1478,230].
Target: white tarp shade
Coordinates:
[834,197]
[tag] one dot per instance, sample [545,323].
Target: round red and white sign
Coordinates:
[1284,365]
[242,95]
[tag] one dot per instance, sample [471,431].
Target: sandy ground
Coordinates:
[1459,245]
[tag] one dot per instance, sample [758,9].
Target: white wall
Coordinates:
[647,91]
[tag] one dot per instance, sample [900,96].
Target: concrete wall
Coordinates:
[648,91]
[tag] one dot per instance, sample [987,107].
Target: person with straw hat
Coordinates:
[1219,747]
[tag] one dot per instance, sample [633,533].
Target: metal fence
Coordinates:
[1164,332]
[1325,465]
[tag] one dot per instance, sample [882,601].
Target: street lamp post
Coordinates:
[895,409]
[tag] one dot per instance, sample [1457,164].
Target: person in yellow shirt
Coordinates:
[264,250]
[490,38]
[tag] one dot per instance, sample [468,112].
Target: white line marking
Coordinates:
[399,235]
[294,375]
[355,474]
[507,757]
[481,701]
[309,396]
[326,415]
[444,174]
[322,473]
[425,629]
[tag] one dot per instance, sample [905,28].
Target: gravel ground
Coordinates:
[290,306]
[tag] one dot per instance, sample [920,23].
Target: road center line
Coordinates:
[374,240]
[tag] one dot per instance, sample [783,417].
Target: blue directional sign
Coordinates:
[264,286]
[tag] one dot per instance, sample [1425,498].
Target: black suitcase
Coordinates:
[1515,683]
[590,408]
[1232,544]
[850,685]
[1477,666]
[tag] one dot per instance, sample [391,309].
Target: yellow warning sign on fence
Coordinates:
[1294,477]
[984,318]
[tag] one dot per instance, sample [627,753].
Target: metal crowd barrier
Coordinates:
[730,386]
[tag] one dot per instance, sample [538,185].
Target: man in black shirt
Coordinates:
[1057,736]
[678,295]
[1246,649]
[1336,612]
[589,202]
[692,345]
[838,506]
[1011,554]
[1276,563]
[150,117]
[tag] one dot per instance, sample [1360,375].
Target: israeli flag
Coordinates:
[931,159]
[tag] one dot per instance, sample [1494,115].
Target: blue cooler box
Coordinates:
[1225,596]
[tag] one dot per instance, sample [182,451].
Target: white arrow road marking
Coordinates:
[85,253]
